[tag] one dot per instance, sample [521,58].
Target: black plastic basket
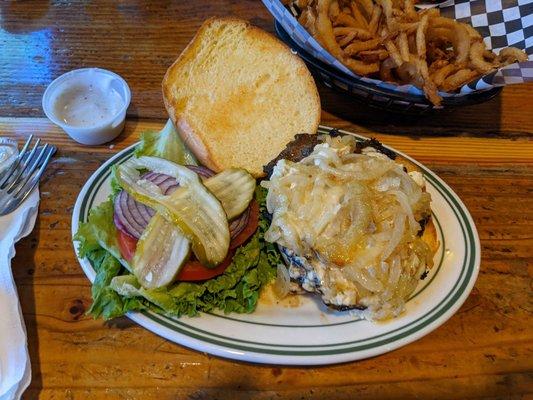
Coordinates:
[375,96]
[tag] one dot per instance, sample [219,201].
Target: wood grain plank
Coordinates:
[505,116]
[510,387]
[52,297]
[484,152]
[464,150]
[141,40]
[55,294]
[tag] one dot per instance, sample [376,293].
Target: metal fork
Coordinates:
[18,181]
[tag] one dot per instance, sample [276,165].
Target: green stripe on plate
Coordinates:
[363,344]
[467,271]
[426,284]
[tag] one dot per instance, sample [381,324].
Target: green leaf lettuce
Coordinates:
[165,144]
[116,291]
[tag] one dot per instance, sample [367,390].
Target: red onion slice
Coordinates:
[118,223]
[155,177]
[124,219]
[167,184]
[237,225]
[136,211]
[145,212]
[204,172]
[171,189]
[132,217]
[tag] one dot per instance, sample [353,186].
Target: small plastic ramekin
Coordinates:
[106,130]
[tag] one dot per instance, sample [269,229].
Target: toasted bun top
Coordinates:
[238,95]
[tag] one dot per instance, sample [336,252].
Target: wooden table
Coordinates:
[484,152]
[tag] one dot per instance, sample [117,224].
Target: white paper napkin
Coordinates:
[15,371]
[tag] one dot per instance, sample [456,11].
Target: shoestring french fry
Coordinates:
[394,41]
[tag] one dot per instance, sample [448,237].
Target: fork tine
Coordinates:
[26,145]
[14,189]
[35,181]
[7,174]
[27,162]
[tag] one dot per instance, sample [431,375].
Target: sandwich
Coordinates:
[188,229]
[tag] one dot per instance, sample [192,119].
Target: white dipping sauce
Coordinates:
[90,104]
[87,104]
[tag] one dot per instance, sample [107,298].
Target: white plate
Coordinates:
[310,333]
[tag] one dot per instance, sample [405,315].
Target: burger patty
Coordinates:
[304,144]
[302,270]
[296,150]
[304,279]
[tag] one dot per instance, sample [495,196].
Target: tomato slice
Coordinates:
[249,229]
[127,245]
[193,270]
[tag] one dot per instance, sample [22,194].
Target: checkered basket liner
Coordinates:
[502,23]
